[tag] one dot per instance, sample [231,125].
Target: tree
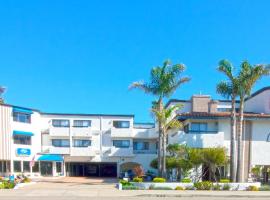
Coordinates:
[163,82]
[248,76]
[167,120]
[213,158]
[229,89]
[2,90]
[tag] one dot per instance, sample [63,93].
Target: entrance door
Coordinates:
[46,168]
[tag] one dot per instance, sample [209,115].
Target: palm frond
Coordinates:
[140,85]
[226,67]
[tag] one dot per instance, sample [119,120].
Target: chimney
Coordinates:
[200,103]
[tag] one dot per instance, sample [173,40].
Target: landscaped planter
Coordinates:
[149,185]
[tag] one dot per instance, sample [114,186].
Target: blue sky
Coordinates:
[80,56]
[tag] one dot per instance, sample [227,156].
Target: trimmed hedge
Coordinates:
[159,180]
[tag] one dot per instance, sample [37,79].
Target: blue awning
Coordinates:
[51,157]
[22,110]
[23,133]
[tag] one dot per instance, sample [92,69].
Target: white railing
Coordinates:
[59,131]
[59,150]
[83,151]
[121,152]
[121,132]
[81,131]
[146,134]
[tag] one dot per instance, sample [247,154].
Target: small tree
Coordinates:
[214,158]
[138,170]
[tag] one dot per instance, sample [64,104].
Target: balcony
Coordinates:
[59,131]
[59,150]
[83,151]
[146,134]
[81,132]
[207,139]
[121,152]
[145,151]
[121,132]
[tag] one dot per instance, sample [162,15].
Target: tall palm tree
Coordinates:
[229,89]
[2,90]
[164,80]
[248,76]
[167,120]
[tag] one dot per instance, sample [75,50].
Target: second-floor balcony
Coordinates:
[202,139]
[145,151]
[59,131]
[83,151]
[81,131]
[121,132]
[121,152]
[59,150]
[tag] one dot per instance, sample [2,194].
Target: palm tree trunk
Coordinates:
[160,146]
[239,174]
[233,142]
[164,171]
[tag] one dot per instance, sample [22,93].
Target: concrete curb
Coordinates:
[208,195]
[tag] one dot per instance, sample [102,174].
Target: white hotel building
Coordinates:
[106,145]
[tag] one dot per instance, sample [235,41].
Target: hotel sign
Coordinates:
[23,152]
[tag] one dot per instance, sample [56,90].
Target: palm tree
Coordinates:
[2,90]
[229,89]
[163,82]
[248,76]
[167,120]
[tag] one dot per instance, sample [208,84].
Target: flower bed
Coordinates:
[190,186]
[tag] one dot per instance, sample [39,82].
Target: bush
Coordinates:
[264,188]
[179,188]
[159,180]
[130,187]
[186,180]
[217,187]
[204,185]
[252,188]
[224,180]
[137,179]
[26,180]
[125,183]
[226,187]
[160,188]
[189,188]
[8,185]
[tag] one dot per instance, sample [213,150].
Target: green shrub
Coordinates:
[264,188]
[204,185]
[1,186]
[125,183]
[224,180]
[8,185]
[159,180]
[189,188]
[26,180]
[179,188]
[137,179]
[216,187]
[130,187]
[226,187]
[252,188]
[186,180]
[161,188]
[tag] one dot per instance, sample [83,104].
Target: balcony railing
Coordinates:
[121,132]
[83,151]
[81,131]
[59,150]
[145,151]
[121,152]
[59,131]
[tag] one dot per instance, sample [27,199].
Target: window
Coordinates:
[35,168]
[26,166]
[59,167]
[82,123]
[121,124]
[198,127]
[224,109]
[60,142]
[60,123]
[17,166]
[81,143]
[22,139]
[141,145]
[21,117]
[4,166]
[121,143]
